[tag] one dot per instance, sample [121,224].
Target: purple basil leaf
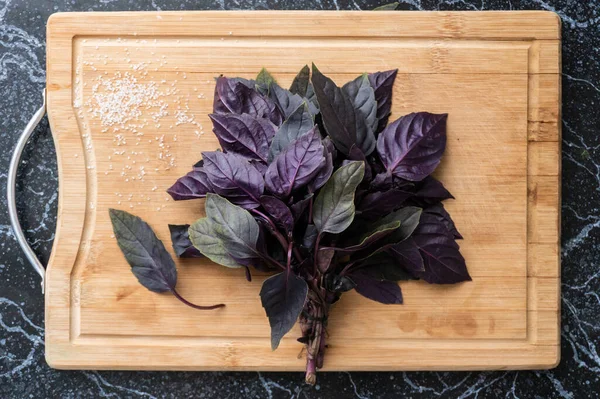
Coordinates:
[324,257]
[191,186]
[345,123]
[250,83]
[233,177]
[383,83]
[382,181]
[299,207]
[439,212]
[325,171]
[330,147]
[406,253]
[259,165]
[374,233]
[338,284]
[362,95]
[382,291]
[310,236]
[299,123]
[243,134]
[301,81]
[442,259]
[283,296]
[380,203]
[431,191]
[412,146]
[384,266]
[279,211]
[180,239]
[286,102]
[236,97]
[296,166]
[149,260]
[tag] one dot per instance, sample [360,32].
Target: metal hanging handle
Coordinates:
[11,189]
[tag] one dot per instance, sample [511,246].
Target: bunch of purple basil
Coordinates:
[313,184]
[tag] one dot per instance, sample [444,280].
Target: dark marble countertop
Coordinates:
[23,370]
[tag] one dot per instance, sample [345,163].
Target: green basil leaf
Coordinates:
[234,226]
[333,210]
[204,239]
[264,80]
[387,7]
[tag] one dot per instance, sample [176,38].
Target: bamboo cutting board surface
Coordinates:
[128,97]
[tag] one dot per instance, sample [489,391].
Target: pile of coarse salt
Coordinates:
[134,108]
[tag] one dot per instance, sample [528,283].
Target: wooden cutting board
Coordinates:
[128,98]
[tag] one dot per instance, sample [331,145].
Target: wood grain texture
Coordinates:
[495,73]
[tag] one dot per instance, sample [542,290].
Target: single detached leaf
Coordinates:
[412,146]
[283,296]
[333,209]
[379,203]
[343,118]
[301,82]
[204,239]
[149,260]
[191,186]
[431,191]
[236,97]
[296,166]
[234,226]
[362,95]
[384,266]
[383,83]
[233,177]
[279,211]
[264,80]
[442,259]
[382,291]
[180,240]
[406,253]
[285,100]
[298,124]
[387,7]
[243,134]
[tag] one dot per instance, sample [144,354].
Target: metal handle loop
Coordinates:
[11,188]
